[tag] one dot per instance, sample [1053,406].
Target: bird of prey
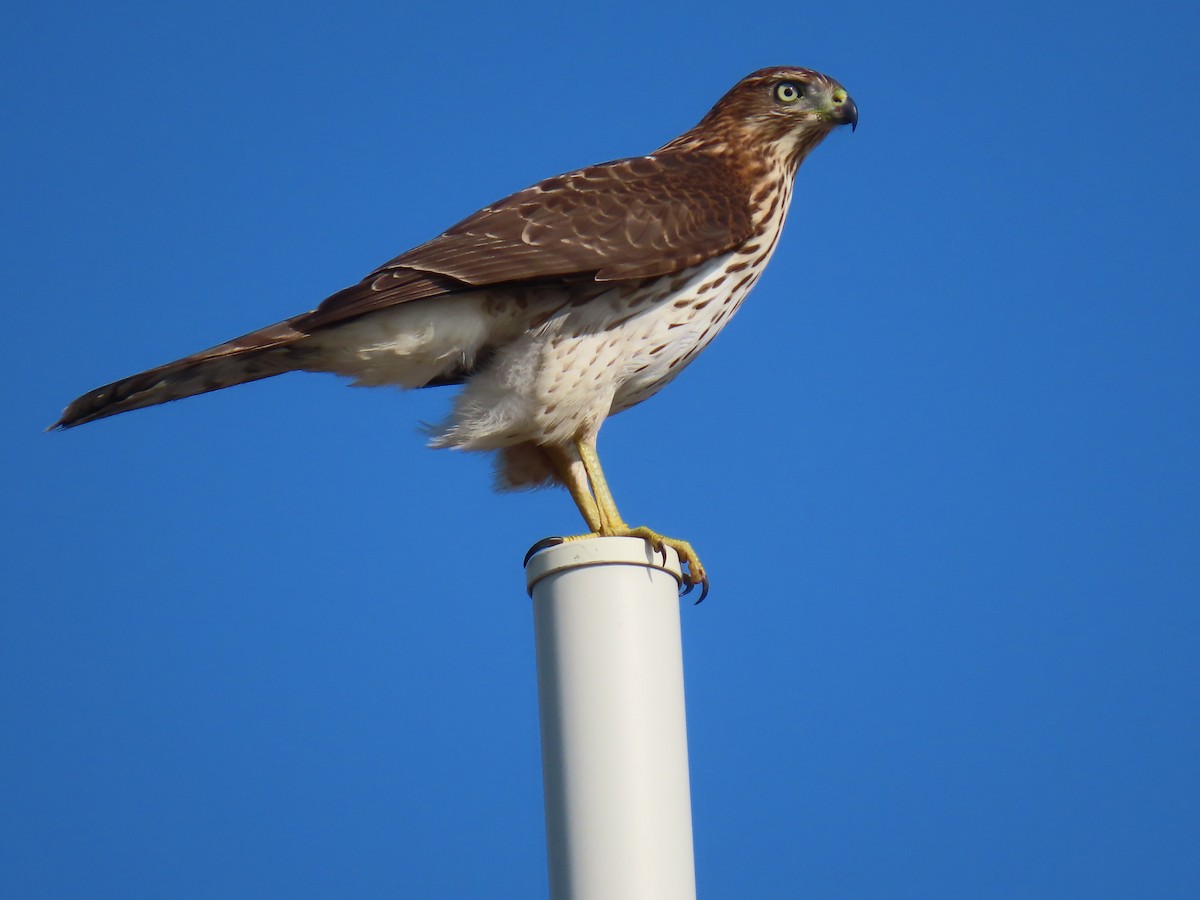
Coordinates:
[558,306]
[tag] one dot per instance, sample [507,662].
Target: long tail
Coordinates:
[260,354]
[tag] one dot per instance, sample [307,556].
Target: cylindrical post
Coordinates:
[614,733]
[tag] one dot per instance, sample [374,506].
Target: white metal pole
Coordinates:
[614,732]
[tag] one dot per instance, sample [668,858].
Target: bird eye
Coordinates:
[787,91]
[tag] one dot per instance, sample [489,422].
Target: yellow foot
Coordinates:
[693,575]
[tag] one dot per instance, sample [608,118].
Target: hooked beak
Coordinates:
[842,109]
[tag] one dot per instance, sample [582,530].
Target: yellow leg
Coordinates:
[610,518]
[610,523]
[574,476]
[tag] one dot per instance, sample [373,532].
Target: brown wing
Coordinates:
[632,218]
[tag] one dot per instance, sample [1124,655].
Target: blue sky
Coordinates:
[942,465]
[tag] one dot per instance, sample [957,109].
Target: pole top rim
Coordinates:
[550,556]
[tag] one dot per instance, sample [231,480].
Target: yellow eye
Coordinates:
[787,91]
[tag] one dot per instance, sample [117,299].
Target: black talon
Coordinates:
[686,588]
[543,544]
[703,593]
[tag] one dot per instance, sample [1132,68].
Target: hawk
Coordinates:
[558,306]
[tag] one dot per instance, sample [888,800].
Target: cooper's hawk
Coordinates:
[558,306]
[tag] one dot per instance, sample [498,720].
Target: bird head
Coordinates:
[783,107]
